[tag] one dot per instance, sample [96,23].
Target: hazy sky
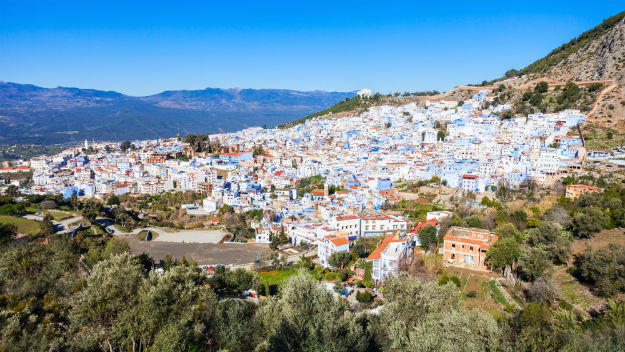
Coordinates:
[145,48]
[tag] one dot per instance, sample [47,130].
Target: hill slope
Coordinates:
[31,114]
[597,54]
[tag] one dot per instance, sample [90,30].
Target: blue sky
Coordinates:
[141,48]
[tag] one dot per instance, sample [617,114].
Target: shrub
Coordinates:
[364,296]
[604,269]
[471,294]
[533,263]
[588,222]
[509,308]
[445,279]
[565,305]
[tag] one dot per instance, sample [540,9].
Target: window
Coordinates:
[453,245]
[471,248]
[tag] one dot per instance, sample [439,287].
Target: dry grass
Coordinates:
[569,287]
[574,292]
[546,202]
[600,240]
[23,225]
[477,281]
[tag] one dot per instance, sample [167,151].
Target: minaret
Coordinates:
[86,144]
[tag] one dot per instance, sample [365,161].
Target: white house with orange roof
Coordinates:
[386,256]
[327,245]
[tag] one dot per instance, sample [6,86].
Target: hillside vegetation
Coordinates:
[562,52]
[348,104]
[358,104]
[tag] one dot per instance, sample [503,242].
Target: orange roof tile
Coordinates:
[377,253]
[339,241]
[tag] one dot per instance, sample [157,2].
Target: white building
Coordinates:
[347,223]
[365,93]
[337,242]
[211,205]
[380,224]
[386,257]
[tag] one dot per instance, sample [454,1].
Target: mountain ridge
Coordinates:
[596,55]
[38,115]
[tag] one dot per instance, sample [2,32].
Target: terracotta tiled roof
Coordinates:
[339,241]
[581,186]
[377,253]
[318,192]
[346,217]
[421,224]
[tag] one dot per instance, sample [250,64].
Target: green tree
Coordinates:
[7,233]
[359,249]
[440,135]
[125,146]
[536,99]
[428,317]
[234,320]
[505,251]
[508,230]
[74,201]
[604,269]
[519,219]
[113,200]
[472,221]
[364,296]
[115,246]
[367,278]
[47,227]
[120,308]
[174,312]
[541,87]
[306,317]
[588,222]
[102,311]
[549,235]
[533,263]
[278,239]
[427,236]
[340,259]
[257,150]
[511,73]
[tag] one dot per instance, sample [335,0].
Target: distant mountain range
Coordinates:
[31,114]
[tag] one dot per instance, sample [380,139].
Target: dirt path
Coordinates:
[203,253]
[595,105]
[192,236]
[60,226]
[450,92]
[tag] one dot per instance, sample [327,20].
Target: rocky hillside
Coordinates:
[598,54]
[595,55]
